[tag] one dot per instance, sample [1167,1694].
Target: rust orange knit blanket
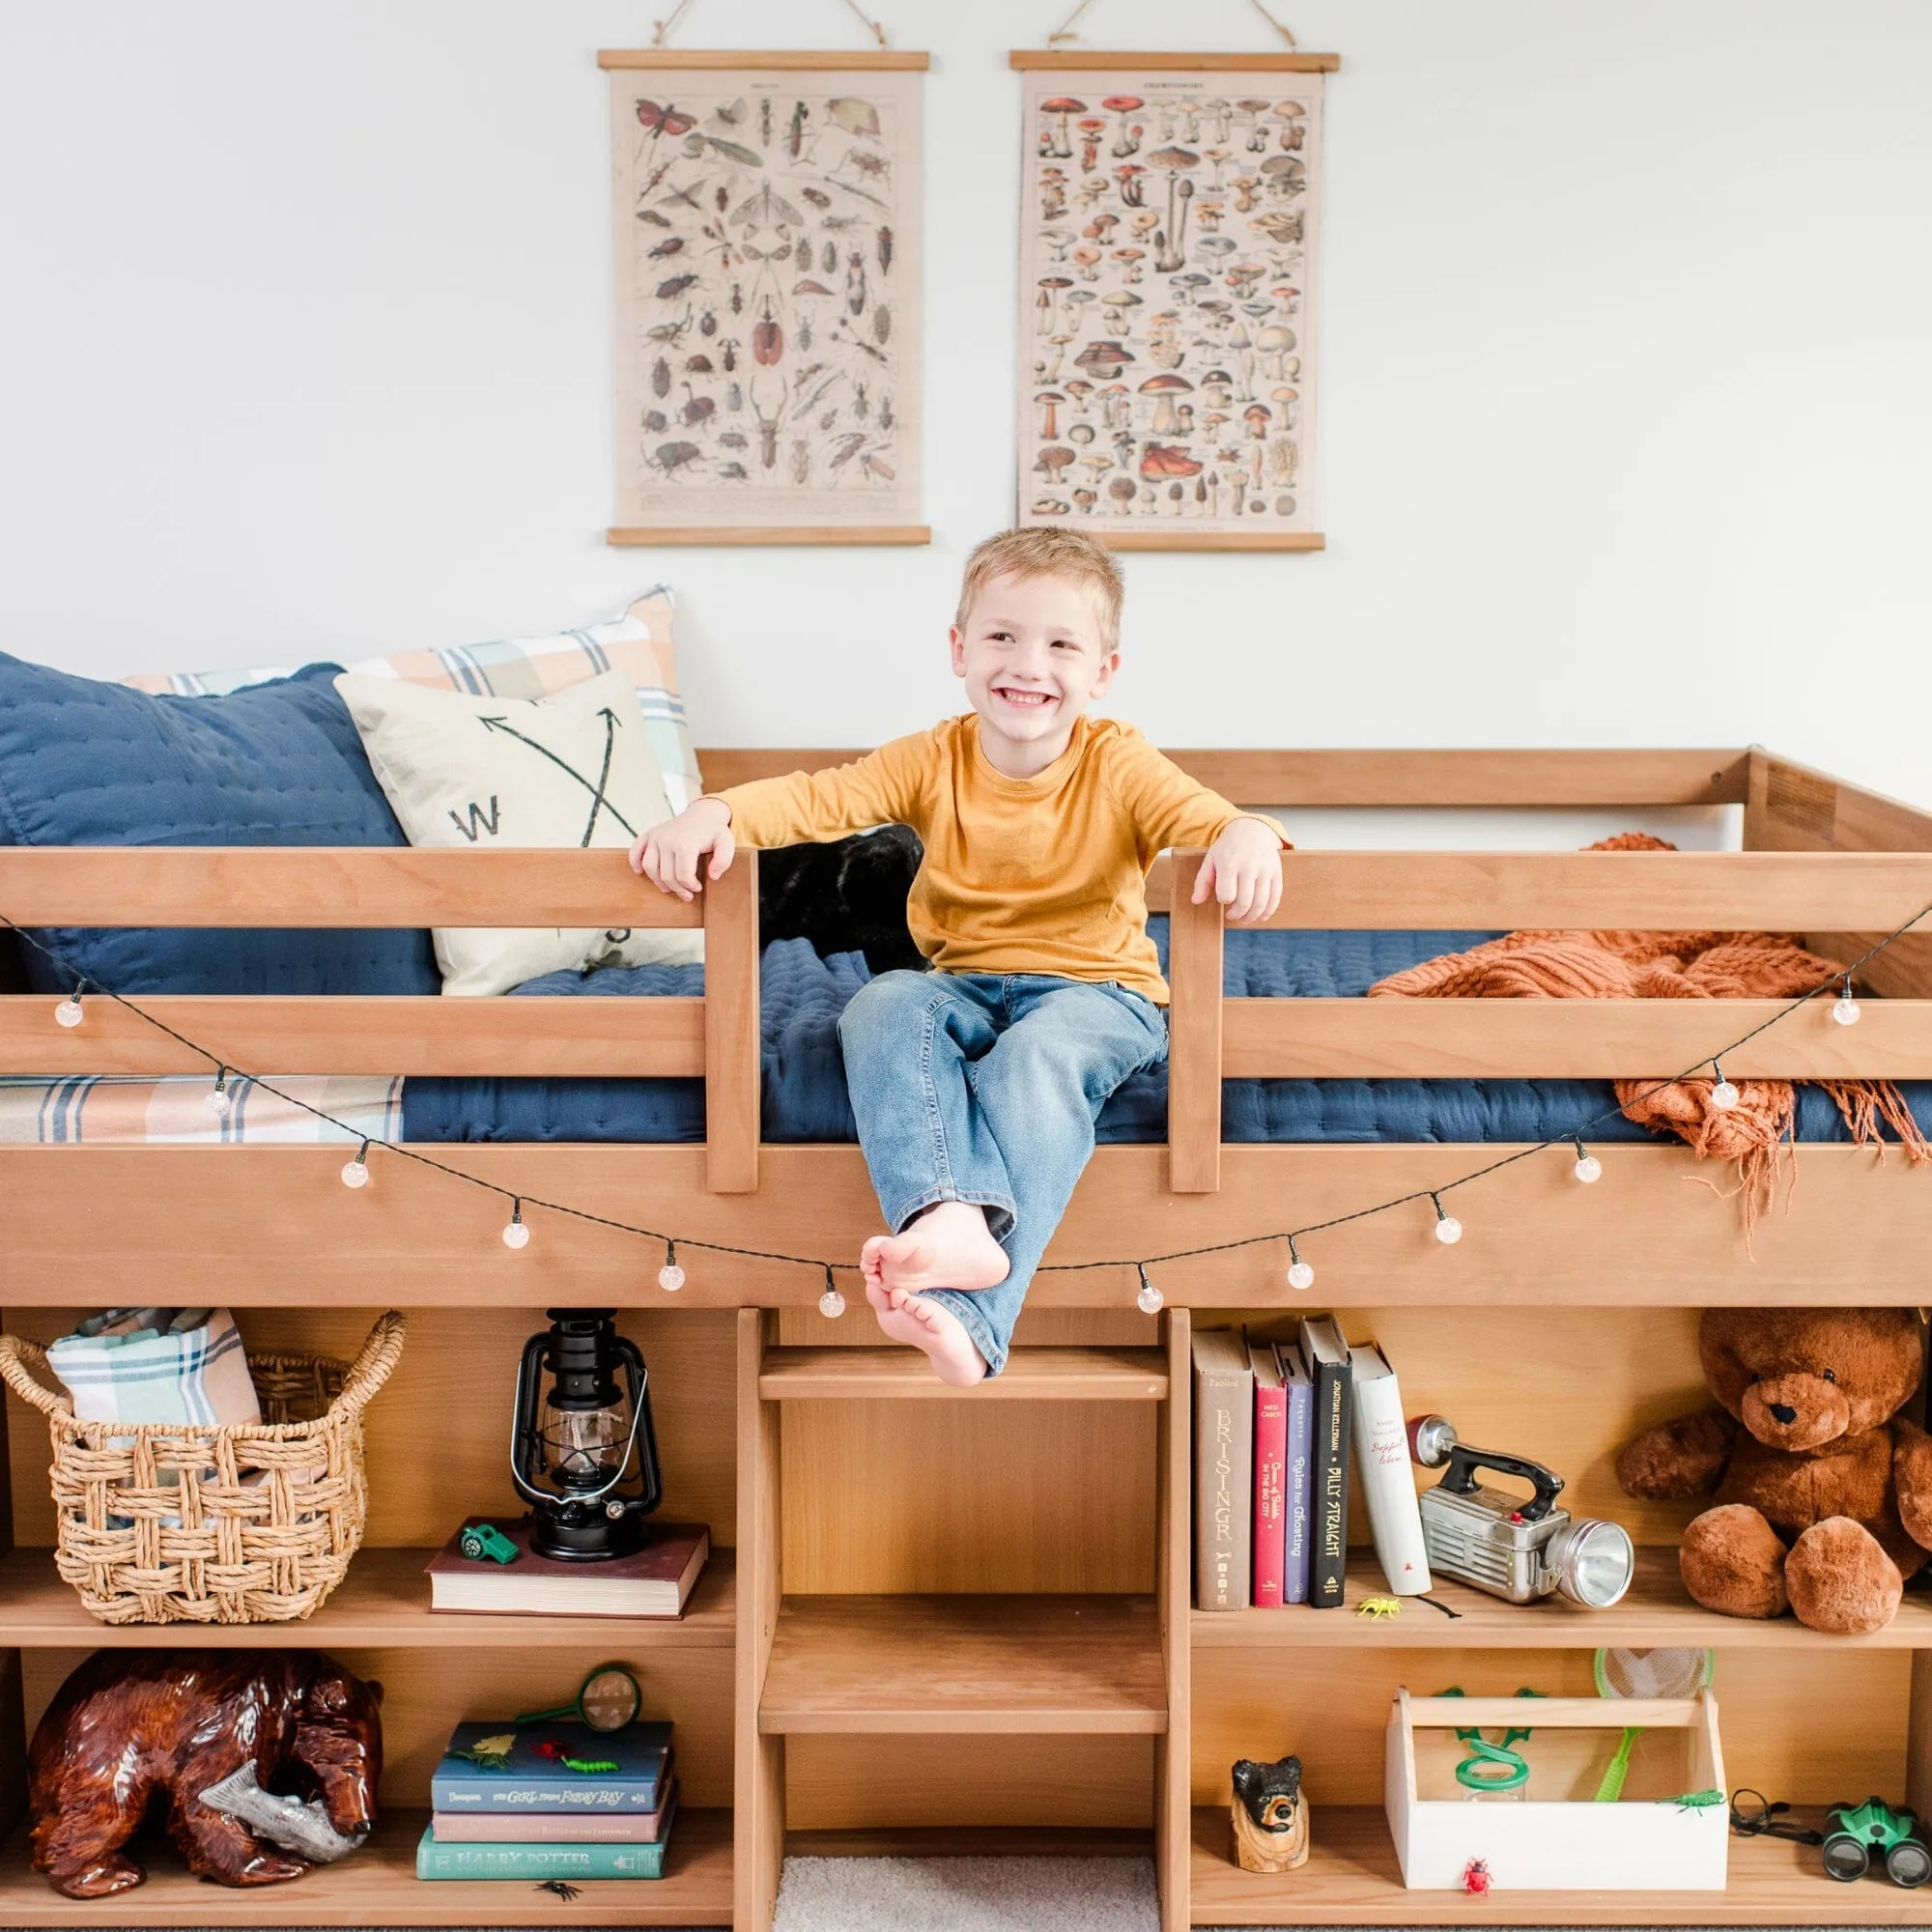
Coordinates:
[1674,966]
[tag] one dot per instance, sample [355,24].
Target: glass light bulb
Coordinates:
[1448,1230]
[1588,1169]
[1723,1097]
[1300,1275]
[671,1277]
[516,1235]
[1845,1010]
[1149,1300]
[68,1014]
[831,1304]
[218,1102]
[356,1172]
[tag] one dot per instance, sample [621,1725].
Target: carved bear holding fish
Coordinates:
[134,1729]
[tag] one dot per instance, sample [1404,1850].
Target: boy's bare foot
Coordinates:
[928,1326]
[948,1246]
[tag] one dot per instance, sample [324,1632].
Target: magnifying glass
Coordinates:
[607,1700]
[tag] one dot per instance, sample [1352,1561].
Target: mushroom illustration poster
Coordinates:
[1170,223]
[767,213]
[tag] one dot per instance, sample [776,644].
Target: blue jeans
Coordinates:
[985,1086]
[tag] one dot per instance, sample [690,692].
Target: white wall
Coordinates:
[304,350]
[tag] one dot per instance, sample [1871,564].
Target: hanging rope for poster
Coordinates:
[668,25]
[1064,33]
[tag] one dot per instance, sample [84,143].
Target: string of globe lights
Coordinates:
[1586,1168]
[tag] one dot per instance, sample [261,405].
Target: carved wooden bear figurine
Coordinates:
[1270,1815]
[130,1726]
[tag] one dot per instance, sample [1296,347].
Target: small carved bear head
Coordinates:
[1268,1791]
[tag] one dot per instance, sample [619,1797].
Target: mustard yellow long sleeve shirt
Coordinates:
[1046,874]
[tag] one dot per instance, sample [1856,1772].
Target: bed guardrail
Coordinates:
[715,1037]
[1835,863]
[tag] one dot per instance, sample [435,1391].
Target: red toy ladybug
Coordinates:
[1476,1877]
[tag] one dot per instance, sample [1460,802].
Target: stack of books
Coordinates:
[550,1801]
[1282,1429]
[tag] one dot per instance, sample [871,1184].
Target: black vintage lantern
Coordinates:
[583,1452]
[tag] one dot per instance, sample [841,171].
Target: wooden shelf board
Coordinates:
[1657,1612]
[1352,1879]
[1030,1375]
[949,1666]
[973,1841]
[383,1602]
[378,1886]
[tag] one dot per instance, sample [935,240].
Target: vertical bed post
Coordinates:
[1173,1543]
[1194,1036]
[758,1813]
[731,1046]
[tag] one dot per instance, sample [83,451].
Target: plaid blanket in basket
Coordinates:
[157,1365]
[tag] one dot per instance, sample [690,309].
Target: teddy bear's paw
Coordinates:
[1732,1561]
[1841,1580]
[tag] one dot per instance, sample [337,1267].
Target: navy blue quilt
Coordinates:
[805,1083]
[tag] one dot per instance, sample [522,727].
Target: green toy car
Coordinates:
[1852,1834]
[484,1541]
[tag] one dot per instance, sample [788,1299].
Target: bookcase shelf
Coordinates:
[952,1666]
[1351,1878]
[383,1602]
[1030,1375]
[1656,1612]
[378,1886]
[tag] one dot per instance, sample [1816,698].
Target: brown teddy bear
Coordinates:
[1823,1496]
[203,1732]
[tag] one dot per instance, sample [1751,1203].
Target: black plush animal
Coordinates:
[849,896]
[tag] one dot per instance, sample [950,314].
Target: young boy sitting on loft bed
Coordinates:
[977,1086]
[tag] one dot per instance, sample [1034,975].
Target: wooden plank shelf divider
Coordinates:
[900,1374]
[378,1886]
[1005,1665]
[1656,1614]
[1351,1878]
[384,1600]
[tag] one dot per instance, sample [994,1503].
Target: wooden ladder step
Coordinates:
[986,1665]
[1030,1375]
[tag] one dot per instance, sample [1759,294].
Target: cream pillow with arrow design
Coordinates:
[564,771]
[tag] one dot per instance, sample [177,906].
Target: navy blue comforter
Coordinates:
[805,1080]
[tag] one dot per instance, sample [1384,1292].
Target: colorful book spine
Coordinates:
[1224,1439]
[538,1863]
[1382,1473]
[453,1792]
[1328,1359]
[1271,1476]
[1300,1393]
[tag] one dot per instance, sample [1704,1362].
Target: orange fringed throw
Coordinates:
[1674,966]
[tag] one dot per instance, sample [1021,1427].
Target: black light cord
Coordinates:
[520,1200]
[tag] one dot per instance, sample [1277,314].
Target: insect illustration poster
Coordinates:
[1170,229]
[767,297]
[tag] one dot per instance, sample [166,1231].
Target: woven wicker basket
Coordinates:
[160,1523]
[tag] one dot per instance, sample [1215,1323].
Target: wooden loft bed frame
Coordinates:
[1081,1693]
[1821,857]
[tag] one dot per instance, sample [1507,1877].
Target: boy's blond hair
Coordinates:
[1047,552]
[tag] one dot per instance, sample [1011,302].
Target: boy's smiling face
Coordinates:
[1035,654]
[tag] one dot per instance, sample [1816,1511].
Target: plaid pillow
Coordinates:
[636,642]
